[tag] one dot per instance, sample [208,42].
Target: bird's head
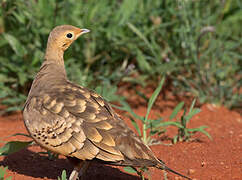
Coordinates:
[61,37]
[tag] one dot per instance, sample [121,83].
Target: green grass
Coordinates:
[63,175]
[184,133]
[196,44]
[3,173]
[152,127]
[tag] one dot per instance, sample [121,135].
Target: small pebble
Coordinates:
[239,120]
[203,163]
[191,171]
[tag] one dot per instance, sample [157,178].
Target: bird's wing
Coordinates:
[74,121]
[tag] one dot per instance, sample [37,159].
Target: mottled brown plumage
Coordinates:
[76,122]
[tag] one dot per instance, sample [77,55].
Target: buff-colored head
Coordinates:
[60,38]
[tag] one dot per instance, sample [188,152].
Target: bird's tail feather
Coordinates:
[161,165]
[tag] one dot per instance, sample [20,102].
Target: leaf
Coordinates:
[13,146]
[135,125]
[3,42]
[153,97]
[108,92]
[192,105]
[141,36]
[3,94]
[142,62]
[13,108]
[20,17]
[191,114]
[227,6]
[9,178]
[130,169]
[170,123]
[175,138]
[127,108]
[176,110]
[21,134]
[63,175]
[15,44]
[16,134]
[3,172]
[22,77]
[152,133]
[183,120]
[154,123]
[201,129]
[126,10]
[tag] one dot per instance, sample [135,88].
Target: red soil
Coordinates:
[217,159]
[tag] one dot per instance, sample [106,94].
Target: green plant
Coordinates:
[3,172]
[14,146]
[210,49]
[133,170]
[51,156]
[63,175]
[149,126]
[184,133]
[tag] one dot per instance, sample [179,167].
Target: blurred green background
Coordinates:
[196,44]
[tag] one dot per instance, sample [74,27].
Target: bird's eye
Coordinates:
[69,35]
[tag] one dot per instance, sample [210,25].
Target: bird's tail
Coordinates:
[161,165]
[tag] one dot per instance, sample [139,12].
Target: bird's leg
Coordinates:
[80,168]
[83,169]
[74,174]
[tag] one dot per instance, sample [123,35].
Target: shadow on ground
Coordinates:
[35,165]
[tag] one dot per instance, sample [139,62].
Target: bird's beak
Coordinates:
[81,31]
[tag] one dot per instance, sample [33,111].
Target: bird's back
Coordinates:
[71,120]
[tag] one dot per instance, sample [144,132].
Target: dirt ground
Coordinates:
[216,159]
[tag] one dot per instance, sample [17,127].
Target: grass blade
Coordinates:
[15,44]
[191,114]
[153,97]
[176,110]
[170,123]
[201,129]
[13,146]
[192,105]
[141,36]
[150,104]
[63,175]
[130,169]
[17,134]
[134,123]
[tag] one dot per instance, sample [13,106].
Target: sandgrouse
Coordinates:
[74,121]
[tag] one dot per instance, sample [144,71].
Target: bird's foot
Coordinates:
[74,175]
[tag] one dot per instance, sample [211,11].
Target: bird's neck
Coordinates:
[50,76]
[53,67]
[52,70]
[54,53]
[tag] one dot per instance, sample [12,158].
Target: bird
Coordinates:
[74,121]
